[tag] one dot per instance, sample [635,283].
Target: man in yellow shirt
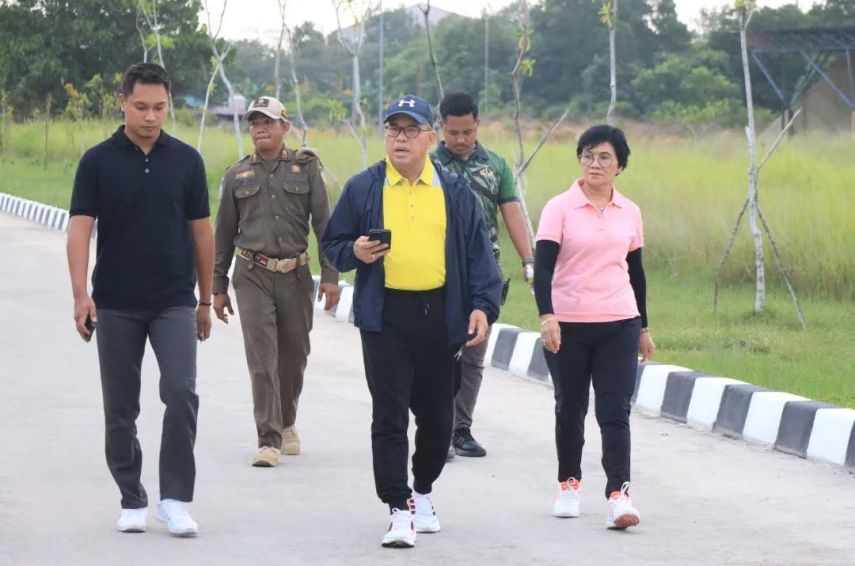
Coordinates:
[417,302]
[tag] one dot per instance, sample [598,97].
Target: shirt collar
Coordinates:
[579,200]
[121,139]
[255,158]
[393,177]
[446,156]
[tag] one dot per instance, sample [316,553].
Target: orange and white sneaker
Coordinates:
[621,512]
[567,500]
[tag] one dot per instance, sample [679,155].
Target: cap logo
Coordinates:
[411,103]
[261,102]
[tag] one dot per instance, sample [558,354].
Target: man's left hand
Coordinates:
[203,322]
[331,292]
[477,326]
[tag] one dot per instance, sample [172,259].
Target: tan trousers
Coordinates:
[276,317]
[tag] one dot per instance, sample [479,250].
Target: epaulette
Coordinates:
[236,163]
[306,154]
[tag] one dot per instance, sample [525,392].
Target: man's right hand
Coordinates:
[84,308]
[221,304]
[369,251]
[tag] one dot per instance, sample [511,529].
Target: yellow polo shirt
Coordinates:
[415,213]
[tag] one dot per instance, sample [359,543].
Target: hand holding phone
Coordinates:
[380,235]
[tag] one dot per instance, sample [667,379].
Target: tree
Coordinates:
[608,15]
[295,83]
[673,34]
[220,54]
[745,10]
[692,88]
[48,43]
[352,42]
[148,9]
[524,67]
[426,13]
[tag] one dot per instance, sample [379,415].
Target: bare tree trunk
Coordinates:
[759,262]
[156,27]
[516,80]
[142,36]
[353,47]
[208,99]
[426,12]
[232,101]
[220,57]
[276,78]
[612,65]
[304,128]
[357,110]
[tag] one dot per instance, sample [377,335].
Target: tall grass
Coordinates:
[690,192]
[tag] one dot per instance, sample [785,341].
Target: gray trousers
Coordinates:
[276,318]
[472,373]
[121,336]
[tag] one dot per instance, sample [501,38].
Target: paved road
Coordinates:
[704,499]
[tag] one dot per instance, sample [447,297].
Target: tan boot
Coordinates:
[290,441]
[266,457]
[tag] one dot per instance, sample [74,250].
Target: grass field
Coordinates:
[690,193]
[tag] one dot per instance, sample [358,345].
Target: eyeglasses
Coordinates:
[604,159]
[412,132]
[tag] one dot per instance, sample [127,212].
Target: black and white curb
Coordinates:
[783,421]
[46,215]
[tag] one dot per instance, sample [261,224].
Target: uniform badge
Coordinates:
[295,168]
[244,174]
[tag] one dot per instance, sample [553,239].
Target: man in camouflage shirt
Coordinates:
[267,202]
[492,181]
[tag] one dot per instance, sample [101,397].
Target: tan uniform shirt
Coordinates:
[265,207]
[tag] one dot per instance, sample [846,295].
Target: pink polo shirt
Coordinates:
[591,281]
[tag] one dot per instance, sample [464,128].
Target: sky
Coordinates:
[245,19]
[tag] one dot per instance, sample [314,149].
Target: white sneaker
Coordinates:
[178,520]
[567,500]
[132,520]
[424,517]
[621,512]
[401,533]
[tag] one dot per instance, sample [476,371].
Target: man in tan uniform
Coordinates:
[267,201]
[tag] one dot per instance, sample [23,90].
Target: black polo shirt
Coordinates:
[145,258]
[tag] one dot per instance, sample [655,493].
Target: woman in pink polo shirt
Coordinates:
[590,292]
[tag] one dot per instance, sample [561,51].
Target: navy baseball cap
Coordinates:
[413,106]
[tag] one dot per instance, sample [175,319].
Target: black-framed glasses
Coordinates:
[411,132]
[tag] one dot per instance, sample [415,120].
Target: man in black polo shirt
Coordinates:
[149,193]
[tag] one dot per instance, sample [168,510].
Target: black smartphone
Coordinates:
[90,326]
[382,235]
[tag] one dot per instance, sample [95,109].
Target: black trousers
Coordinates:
[607,354]
[121,337]
[409,365]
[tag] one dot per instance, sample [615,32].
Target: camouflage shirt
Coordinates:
[490,178]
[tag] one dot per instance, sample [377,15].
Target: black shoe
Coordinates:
[450,456]
[465,445]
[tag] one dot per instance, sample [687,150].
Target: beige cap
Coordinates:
[268,106]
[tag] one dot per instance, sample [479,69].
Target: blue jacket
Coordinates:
[472,279]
